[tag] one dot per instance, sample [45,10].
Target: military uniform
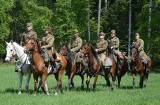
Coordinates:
[47,45]
[27,35]
[140,45]
[114,42]
[102,46]
[75,44]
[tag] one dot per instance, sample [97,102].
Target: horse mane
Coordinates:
[92,49]
[69,50]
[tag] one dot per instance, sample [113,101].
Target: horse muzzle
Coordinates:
[7,59]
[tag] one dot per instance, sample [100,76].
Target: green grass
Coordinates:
[103,96]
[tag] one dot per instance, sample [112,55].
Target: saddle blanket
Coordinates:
[108,63]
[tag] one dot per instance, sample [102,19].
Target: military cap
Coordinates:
[75,30]
[102,34]
[137,34]
[29,24]
[47,28]
[113,31]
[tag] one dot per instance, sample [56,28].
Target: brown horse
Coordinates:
[38,66]
[60,72]
[137,66]
[93,64]
[73,68]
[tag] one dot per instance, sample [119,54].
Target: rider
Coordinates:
[140,45]
[30,34]
[48,42]
[101,48]
[75,45]
[114,45]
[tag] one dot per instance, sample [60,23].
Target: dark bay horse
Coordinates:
[114,69]
[38,66]
[93,64]
[137,66]
[72,68]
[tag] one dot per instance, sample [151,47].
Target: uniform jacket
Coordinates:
[102,46]
[75,44]
[114,42]
[27,35]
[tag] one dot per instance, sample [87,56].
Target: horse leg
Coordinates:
[20,75]
[44,84]
[40,83]
[113,77]
[82,83]
[108,84]
[145,78]
[134,80]
[141,80]
[35,83]
[27,81]
[119,80]
[95,81]
[70,82]
[87,83]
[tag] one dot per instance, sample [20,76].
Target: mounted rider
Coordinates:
[114,46]
[75,45]
[140,45]
[30,34]
[47,45]
[101,47]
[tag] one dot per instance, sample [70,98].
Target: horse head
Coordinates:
[10,50]
[64,49]
[134,54]
[31,45]
[86,48]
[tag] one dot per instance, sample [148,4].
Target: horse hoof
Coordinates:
[47,94]
[19,93]
[56,94]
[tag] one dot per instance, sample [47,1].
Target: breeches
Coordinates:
[143,56]
[102,58]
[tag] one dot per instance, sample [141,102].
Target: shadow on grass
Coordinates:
[15,91]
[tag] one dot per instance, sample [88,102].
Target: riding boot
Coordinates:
[40,50]
[54,67]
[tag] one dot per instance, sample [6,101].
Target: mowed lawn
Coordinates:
[103,96]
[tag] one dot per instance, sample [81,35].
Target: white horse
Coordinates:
[23,63]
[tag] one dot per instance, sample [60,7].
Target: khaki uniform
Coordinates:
[102,46]
[48,44]
[140,45]
[114,42]
[75,45]
[27,35]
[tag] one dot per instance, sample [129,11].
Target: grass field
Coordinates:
[103,96]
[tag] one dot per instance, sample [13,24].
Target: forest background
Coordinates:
[65,15]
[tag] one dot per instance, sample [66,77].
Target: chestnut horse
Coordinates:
[32,43]
[38,66]
[72,68]
[93,64]
[61,68]
[137,66]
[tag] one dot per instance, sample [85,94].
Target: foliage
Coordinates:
[5,21]
[65,15]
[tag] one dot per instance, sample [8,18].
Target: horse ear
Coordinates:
[6,42]
[11,41]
